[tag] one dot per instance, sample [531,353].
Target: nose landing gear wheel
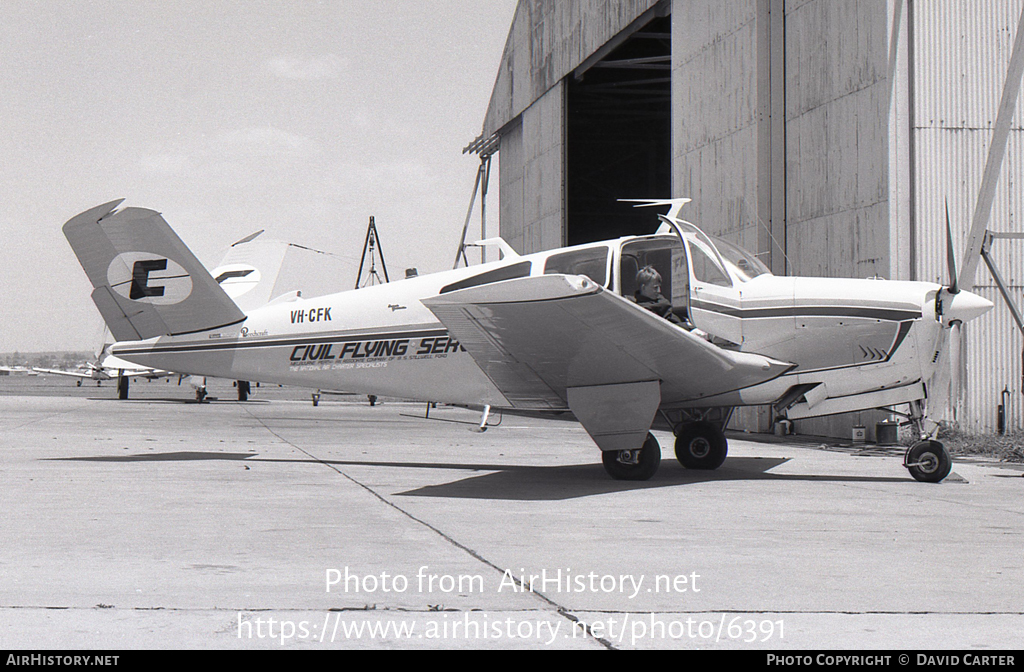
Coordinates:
[928,461]
[701,445]
[633,465]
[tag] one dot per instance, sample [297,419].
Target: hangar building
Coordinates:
[824,135]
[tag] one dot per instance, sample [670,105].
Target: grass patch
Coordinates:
[1007,447]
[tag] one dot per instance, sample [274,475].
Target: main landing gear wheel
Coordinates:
[928,461]
[634,465]
[701,445]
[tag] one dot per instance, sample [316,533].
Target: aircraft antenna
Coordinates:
[372,249]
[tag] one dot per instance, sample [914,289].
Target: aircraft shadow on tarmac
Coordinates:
[531,483]
[180,400]
[570,482]
[183,456]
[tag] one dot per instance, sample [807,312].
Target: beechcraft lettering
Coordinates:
[312,315]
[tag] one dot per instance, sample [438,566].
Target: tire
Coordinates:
[634,465]
[929,462]
[701,445]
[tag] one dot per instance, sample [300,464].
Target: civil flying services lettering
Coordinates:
[325,352]
[440,345]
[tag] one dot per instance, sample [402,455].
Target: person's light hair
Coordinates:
[647,275]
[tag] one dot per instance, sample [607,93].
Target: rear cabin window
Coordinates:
[520,270]
[591,262]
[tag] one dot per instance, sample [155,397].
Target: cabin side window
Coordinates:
[705,268]
[591,262]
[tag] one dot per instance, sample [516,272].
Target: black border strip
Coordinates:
[889,314]
[241,344]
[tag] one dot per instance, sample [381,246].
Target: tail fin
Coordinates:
[147,283]
[249,271]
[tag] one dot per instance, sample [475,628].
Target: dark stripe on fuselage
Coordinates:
[242,344]
[862,312]
[904,331]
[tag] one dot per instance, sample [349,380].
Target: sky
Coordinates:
[301,117]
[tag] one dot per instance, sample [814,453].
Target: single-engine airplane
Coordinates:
[554,331]
[108,367]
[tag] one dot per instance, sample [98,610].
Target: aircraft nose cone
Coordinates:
[965,306]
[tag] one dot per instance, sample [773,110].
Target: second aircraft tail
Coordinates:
[147,282]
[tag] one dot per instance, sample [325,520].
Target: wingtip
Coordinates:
[93,215]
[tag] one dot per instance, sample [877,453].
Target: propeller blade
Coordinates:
[956,373]
[939,383]
[954,287]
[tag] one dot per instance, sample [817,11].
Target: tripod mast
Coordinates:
[372,248]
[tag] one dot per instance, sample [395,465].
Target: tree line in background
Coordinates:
[46,360]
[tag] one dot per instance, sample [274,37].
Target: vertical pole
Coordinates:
[778,223]
[362,261]
[461,254]
[380,250]
[486,179]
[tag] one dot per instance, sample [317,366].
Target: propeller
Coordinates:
[953,307]
[946,382]
[954,287]
[956,386]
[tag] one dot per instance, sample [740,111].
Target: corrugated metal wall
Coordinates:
[961,52]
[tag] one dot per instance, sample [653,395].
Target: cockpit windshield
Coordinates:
[743,264]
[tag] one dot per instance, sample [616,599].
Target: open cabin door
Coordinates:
[714,301]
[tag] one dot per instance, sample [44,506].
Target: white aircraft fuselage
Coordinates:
[562,330]
[868,342]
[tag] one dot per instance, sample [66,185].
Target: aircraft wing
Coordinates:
[541,339]
[144,373]
[72,374]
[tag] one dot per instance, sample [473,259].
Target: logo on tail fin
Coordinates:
[149,278]
[237,279]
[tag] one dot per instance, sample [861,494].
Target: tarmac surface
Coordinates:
[161,523]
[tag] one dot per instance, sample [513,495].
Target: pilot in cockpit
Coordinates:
[648,295]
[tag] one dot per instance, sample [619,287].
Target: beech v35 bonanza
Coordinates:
[552,332]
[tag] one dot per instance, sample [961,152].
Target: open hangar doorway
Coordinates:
[619,135]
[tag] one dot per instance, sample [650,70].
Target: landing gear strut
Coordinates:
[634,465]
